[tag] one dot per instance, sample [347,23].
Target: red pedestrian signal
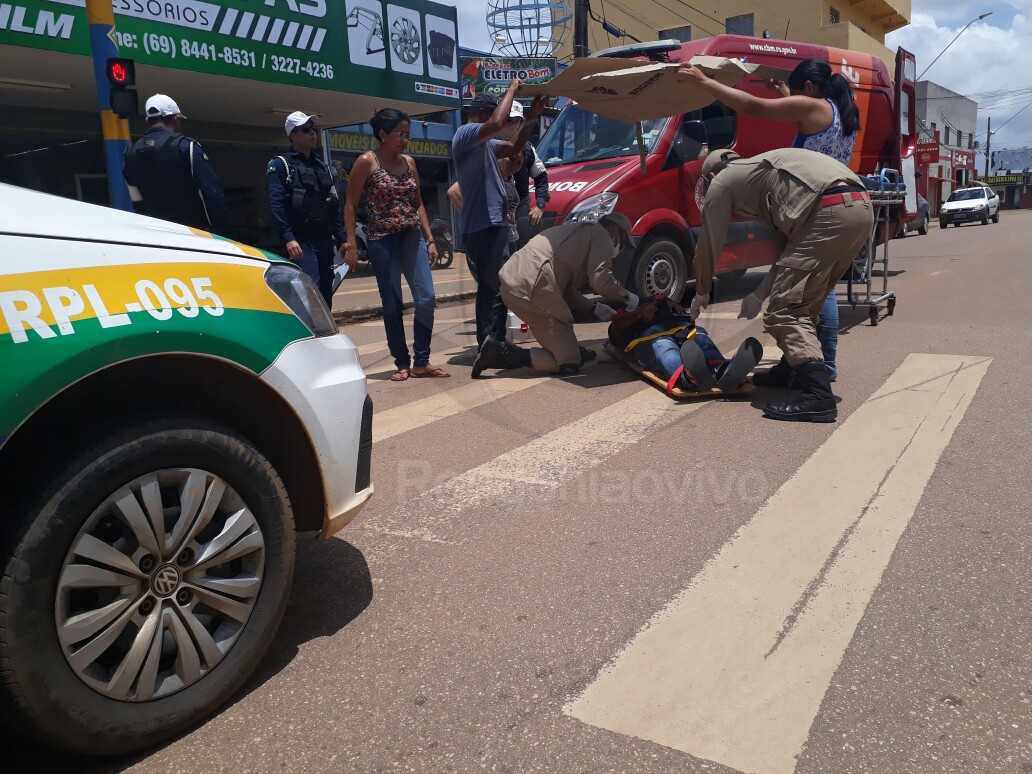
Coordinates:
[121,74]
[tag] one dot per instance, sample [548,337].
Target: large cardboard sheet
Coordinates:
[637,91]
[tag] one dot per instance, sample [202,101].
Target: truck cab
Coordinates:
[594,166]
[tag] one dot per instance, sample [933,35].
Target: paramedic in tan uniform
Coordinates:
[821,216]
[541,285]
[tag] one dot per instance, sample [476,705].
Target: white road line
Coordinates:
[545,463]
[734,669]
[372,288]
[419,413]
[437,321]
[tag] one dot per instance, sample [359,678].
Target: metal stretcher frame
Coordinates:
[867,295]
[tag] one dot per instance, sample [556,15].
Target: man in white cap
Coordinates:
[305,205]
[541,284]
[171,172]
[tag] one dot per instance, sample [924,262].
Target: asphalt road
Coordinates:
[579,575]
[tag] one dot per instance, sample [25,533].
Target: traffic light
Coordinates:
[121,75]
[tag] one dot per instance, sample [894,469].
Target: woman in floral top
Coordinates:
[388,180]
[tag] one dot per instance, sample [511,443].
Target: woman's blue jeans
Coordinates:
[396,254]
[827,333]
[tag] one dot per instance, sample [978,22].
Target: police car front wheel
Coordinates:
[146,585]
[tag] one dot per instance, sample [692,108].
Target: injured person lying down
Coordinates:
[661,338]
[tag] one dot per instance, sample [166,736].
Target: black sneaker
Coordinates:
[694,361]
[748,355]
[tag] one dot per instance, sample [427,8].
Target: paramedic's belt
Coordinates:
[843,195]
[661,334]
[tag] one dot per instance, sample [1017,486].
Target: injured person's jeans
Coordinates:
[662,356]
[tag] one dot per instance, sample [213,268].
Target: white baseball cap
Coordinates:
[296,119]
[162,105]
[516,111]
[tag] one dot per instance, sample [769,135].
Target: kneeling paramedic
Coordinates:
[541,284]
[305,206]
[663,339]
[821,216]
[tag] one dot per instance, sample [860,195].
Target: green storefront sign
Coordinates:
[357,142]
[405,49]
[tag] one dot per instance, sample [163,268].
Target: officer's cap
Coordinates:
[161,105]
[296,119]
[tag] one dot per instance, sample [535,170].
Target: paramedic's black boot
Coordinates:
[491,355]
[517,356]
[817,402]
[778,376]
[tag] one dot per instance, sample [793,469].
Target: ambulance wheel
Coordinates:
[143,585]
[661,269]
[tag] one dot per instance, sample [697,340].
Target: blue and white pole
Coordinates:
[100,15]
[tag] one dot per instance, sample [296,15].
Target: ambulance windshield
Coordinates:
[578,135]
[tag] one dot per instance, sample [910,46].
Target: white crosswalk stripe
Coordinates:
[546,463]
[734,669]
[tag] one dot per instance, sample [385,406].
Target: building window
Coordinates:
[946,140]
[833,16]
[683,34]
[739,25]
[960,139]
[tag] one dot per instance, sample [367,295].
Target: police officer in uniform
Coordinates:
[306,209]
[820,214]
[171,175]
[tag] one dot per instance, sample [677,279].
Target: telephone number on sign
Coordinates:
[240,57]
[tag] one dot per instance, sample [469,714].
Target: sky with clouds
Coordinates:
[993,55]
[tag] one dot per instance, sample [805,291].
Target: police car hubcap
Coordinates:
[159,584]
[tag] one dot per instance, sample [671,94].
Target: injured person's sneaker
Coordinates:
[587,355]
[737,368]
[694,361]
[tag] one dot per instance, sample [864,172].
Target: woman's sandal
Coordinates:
[430,372]
[400,375]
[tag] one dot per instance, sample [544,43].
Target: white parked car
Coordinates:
[174,406]
[978,203]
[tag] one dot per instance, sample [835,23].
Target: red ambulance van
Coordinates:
[594,166]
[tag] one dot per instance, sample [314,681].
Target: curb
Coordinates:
[344,316]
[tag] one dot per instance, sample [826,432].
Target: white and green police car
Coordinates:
[173,408]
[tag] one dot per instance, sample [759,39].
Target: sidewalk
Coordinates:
[357,298]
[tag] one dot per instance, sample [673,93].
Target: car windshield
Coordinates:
[966,194]
[578,135]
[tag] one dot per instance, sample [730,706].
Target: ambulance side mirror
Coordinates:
[689,143]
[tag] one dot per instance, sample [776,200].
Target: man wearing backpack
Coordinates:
[304,203]
[171,175]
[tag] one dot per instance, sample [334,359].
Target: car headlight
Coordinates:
[300,293]
[944,211]
[592,209]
